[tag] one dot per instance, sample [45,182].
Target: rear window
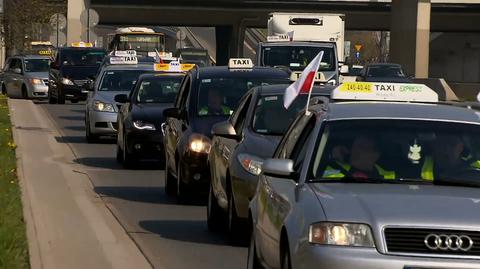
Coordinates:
[82,57]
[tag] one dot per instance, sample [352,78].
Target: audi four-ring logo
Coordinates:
[448,242]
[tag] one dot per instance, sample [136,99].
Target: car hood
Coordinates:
[403,205]
[40,75]
[108,96]
[152,113]
[262,146]
[203,125]
[79,72]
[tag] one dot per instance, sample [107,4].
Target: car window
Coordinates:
[15,63]
[397,150]
[158,89]
[37,65]
[385,71]
[220,96]
[183,93]
[7,65]
[80,57]
[288,142]
[120,80]
[242,115]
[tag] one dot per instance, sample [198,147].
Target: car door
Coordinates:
[226,146]
[277,193]
[54,73]
[175,127]
[6,75]
[14,84]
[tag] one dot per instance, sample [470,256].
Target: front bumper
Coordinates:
[145,144]
[74,92]
[328,257]
[103,123]
[196,172]
[38,91]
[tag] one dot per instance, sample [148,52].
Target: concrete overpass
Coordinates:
[410,21]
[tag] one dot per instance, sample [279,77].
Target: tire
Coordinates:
[128,161]
[215,214]
[170,183]
[51,99]
[181,187]
[24,92]
[60,97]
[119,154]
[253,262]
[286,261]
[235,229]
[91,138]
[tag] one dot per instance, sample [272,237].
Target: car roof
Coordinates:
[399,110]
[300,43]
[224,71]
[280,89]
[128,67]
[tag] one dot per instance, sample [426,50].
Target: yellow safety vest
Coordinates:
[204,110]
[429,166]
[331,172]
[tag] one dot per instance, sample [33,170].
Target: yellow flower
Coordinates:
[11,145]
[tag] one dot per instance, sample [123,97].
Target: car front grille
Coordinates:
[412,241]
[80,82]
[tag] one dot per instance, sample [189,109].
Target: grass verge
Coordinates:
[13,239]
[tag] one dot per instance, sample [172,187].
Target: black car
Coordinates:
[200,57]
[207,96]
[240,145]
[141,117]
[70,70]
[384,72]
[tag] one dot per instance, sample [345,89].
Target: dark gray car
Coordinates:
[240,145]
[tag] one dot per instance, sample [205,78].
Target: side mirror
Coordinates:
[17,70]
[172,113]
[121,98]
[344,70]
[282,168]
[89,85]
[225,129]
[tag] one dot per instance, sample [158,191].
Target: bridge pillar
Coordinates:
[410,35]
[229,40]
[74,25]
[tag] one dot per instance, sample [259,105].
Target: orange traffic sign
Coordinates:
[358,47]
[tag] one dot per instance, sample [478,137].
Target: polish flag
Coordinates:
[305,83]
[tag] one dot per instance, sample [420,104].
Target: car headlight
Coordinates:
[200,144]
[36,81]
[103,107]
[332,82]
[66,81]
[341,234]
[250,163]
[142,125]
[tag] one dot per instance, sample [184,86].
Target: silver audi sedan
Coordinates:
[371,185]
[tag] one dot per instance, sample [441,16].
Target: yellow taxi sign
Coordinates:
[240,63]
[398,92]
[82,45]
[45,52]
[174,66]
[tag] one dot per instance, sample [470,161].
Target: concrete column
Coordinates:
[230,41]
[74,26]
[410,35]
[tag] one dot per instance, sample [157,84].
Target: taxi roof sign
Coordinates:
[385,92]
[123,60]
[174,66]
[125,53]
[240,63]
[82,45]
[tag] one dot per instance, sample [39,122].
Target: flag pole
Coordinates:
[307,113]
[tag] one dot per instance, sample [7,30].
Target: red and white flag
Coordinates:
[305,83]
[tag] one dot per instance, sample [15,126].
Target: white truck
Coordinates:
[294,39]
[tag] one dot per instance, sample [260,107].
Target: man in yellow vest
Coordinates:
[215,104]
[447,158]
[362,162]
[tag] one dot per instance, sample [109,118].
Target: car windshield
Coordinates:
[79,57]
[270,116]
[398,151]
[220,96]
[199,58]
[385,71]
[159,89]
[298,57]
[120,80]
[37,65]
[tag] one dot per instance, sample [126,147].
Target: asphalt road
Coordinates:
[170,235]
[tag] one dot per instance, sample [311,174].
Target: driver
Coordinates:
[215,104]
[362,159]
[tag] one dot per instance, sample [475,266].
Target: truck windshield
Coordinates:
[398,151]
[297,57]
[37,65]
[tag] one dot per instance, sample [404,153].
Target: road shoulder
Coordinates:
[68,225]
